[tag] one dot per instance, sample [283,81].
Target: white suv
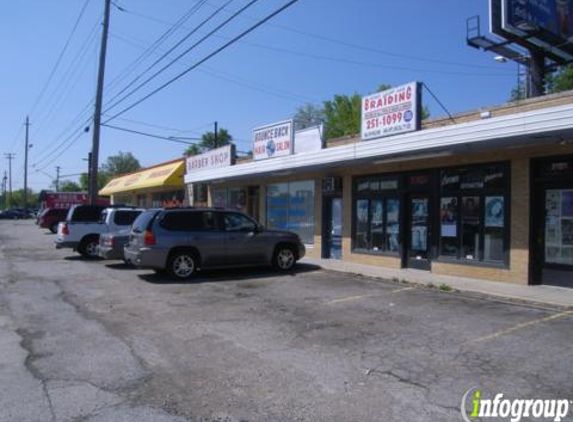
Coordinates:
[85,223]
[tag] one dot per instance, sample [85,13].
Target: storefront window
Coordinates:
[290,206]
[168,199]
[219,197]
[377,215]
[237,199]
[472,213]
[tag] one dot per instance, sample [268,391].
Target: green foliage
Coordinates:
[123,162]
[102,180]
[560,81]
[208,142]
[18,199]
[68,186]
[308,115]
[343,116]
[445,287]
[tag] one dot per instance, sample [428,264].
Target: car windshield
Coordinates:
[142,221]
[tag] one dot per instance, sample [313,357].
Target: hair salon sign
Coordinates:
[276,140]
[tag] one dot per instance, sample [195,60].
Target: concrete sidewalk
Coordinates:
[550,295]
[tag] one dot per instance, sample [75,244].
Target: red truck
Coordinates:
[54,207]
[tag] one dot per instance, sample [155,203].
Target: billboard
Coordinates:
[391,112]
[216,158]
[308,140]
[542,24]
[275,140]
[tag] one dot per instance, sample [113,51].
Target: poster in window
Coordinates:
[362,211]
[494,211]
[567,232]
[419,238]
[419,210]
[449,216]
[470,209]
[553,203]
[393,211]
[567,203]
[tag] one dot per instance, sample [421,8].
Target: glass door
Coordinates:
[557,235]
[418,233]
[333,229]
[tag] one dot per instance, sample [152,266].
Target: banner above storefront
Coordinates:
[214,159]
[274,140]
[309,139]
[391,112]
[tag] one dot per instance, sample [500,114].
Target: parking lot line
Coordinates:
[518,327]
[352,298]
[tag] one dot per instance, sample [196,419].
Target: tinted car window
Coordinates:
[86,213]
[189,221]
[142,221]
[125,218]
[238,222]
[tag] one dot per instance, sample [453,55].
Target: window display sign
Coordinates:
[391,112]
[559,227]
[216,158]
[494,211]
[449,216]
[276,140]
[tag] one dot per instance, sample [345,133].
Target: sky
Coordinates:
[307,54]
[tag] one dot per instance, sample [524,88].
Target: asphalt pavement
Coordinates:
[98,341]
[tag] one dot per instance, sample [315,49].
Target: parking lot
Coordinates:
[99,341]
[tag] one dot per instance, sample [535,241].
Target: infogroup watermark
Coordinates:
[475,407]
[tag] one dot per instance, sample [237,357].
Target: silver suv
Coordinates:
[183,240]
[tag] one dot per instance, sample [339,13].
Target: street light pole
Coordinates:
[26,147]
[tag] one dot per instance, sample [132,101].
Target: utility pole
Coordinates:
[89,169]
[4,181]
[10,157]
[216,135]
[58,168]
[93,191]
[26,147]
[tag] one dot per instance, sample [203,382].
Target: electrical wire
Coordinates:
[233,79]
[206,58]
[188,50]
[150,135]
[60,57]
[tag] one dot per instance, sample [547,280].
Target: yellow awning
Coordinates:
[170,175]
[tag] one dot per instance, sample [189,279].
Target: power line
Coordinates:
[233,79]
[206,58]
[150,135]
[151,48]
[60,56]
[168,65]
[185,38]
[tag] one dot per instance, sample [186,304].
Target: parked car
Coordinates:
[51,217]
[85,223]
[111,244]
[11,214]
[184,240]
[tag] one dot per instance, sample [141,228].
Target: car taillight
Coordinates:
[148,238]
[65,230]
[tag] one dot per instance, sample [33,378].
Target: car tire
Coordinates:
[54,228]
[88,247]
[182,265]
[284,258]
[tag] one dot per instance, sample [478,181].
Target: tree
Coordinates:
[343,116]
[560,81]
[68,186]
[308,115]
[123,162]
[18,198]
[208,142]
[102,180]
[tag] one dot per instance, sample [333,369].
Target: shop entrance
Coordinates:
[417,235]
[552,223]
[332,228]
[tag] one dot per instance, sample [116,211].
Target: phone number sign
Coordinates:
[391,112]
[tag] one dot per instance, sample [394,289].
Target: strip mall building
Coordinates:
[487,194]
